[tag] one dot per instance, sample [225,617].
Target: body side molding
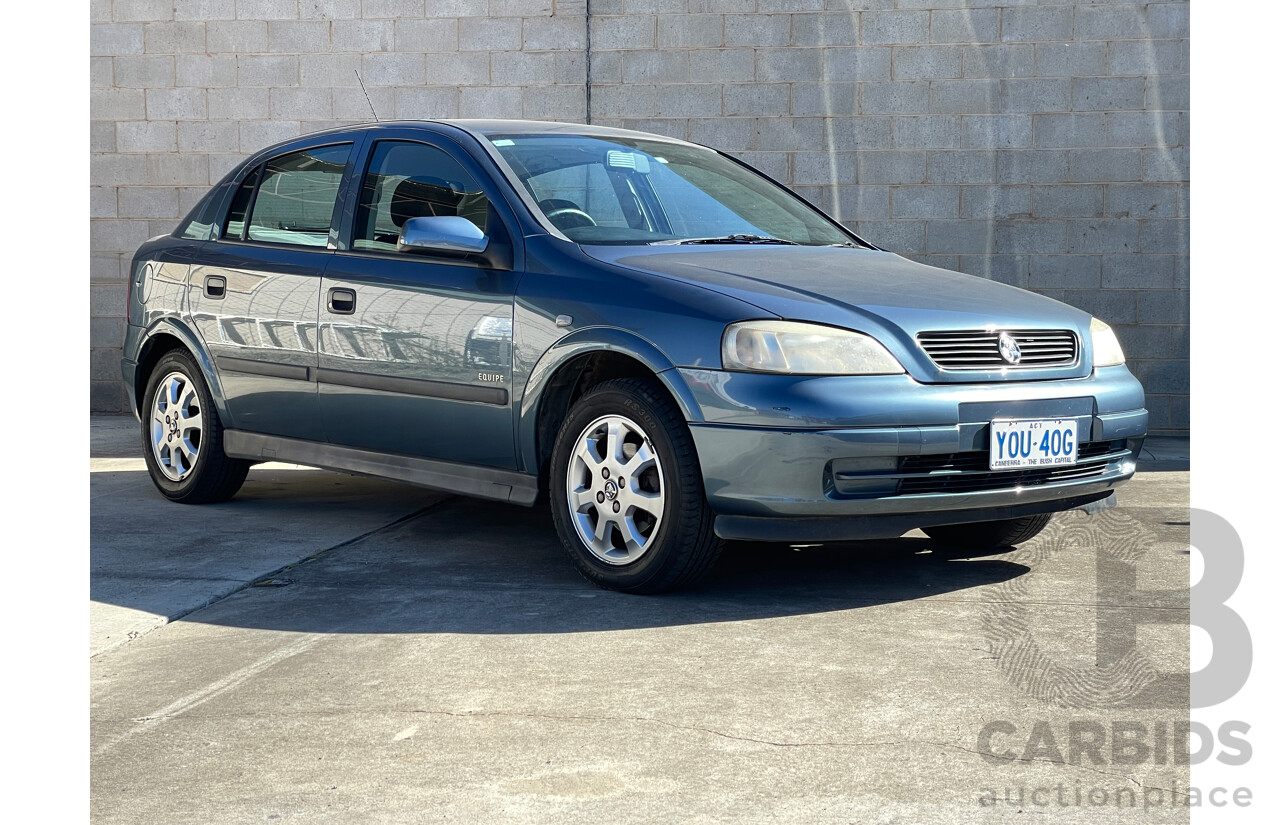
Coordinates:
[427,388]
[272,369]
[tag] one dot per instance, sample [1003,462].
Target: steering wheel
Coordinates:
[569,210]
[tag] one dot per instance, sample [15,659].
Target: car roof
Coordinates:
[483,128]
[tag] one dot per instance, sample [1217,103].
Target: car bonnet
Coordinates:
[876,292]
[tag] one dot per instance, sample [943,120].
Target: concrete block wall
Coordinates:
[182,90]
[1040,144]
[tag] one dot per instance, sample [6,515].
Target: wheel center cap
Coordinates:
[610,490]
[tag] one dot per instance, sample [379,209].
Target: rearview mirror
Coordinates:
[447,235]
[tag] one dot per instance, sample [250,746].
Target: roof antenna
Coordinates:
[366,98]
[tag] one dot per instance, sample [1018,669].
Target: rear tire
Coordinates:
[626,491]
[182,436]
[985,535]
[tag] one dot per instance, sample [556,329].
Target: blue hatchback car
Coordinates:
[666,345]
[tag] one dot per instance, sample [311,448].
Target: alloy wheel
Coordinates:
[177,425]
[616,492]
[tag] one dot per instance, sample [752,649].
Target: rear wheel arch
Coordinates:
[162,339]
[155,348]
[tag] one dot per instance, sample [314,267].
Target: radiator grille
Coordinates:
[980,349]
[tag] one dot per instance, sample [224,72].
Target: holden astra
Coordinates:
[664,346]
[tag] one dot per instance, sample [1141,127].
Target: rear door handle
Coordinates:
[342,301]
[215,286]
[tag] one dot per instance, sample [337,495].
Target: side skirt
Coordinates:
[480,482]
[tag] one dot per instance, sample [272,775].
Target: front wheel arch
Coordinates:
[554,383]
[574,378]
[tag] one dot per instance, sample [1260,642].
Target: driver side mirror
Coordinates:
[442,235]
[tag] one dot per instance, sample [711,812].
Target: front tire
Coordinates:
[986,535]
[182,436]
[626,491]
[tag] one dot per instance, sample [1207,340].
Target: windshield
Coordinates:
[610,190]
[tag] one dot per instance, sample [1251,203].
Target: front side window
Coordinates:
[612,190]
[413,180]
[294,202]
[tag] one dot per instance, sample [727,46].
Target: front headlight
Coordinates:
[804,349]
[1106,347]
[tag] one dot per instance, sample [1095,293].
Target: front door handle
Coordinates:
[215,286]
[342,301]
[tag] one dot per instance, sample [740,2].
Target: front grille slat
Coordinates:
[980,359]
[969,472]
[994,481]
[979,458]
[971,350]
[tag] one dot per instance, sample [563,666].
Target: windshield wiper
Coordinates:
[739,238]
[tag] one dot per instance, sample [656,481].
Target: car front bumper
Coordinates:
[787,458]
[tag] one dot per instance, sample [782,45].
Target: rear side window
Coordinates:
[413,180]
[294,198]
[198,225]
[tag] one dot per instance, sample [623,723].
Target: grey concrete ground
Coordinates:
[436,659]
[153,561]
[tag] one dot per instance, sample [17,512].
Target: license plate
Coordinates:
[1047,442]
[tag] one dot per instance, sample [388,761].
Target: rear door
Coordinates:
[415,350]
[255,296]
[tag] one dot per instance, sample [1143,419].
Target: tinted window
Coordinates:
[240,207]
[295,200]
[198,225]
[413,180]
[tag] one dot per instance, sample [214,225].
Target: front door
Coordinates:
[255,298]
[414,350]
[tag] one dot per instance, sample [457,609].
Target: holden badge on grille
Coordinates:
[1009,349]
